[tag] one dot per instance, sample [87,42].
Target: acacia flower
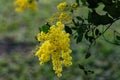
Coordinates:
[56,47]
[65,16]
[24,4]
[62,6]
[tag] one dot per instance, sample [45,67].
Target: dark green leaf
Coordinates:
[77,1]
[80,30]
[91,39]
[105,19]
[75,36]
[74,28]
[68,30]
[90,71]
[107,2]
[88,54]
[86,73]
[44,28]
[84,2]
[113,10]
[79,18]
[93,3]
[118,37]
[81,67]
[86,35]
[79,38]
[97,32]
[98,19]
[75,23]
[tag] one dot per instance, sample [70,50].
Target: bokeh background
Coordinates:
[17,45]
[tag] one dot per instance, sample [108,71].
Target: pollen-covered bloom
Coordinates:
[56,47]
[24,4]
[62,6]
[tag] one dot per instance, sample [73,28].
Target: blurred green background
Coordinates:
[17,45]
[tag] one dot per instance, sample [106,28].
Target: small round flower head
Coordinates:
[24,4]
[55,45]
[62,6]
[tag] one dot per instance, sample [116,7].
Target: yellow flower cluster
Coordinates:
[24,4]
[62,6]
[64,15]
[55,46]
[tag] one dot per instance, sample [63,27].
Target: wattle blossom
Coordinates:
[55,46]
[24,4]
[62,6]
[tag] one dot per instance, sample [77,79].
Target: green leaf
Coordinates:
[84,2]
[75,23]
[113,10]
[86,73]
[77,1]
[68,30]
[98,19]
[75,36]
[44,28]
[93,3]
[88,54]
[80,30]
[79,18]
[105,19]
[118,37]
[91,39]
[97,32]
[81,67]
[107,2]
[79,38]
[90,71]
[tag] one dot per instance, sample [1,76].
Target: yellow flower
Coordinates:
[24,4]
[62,6]
[64,17]
[55,45]
[74,6]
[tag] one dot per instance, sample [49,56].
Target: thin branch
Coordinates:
[115,43]
[107,28]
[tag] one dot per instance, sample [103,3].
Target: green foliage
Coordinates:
[111,7]
[88,28]
[68,30]
[77,1]
[98,19]
[44,28]
[118,37]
